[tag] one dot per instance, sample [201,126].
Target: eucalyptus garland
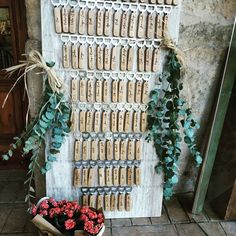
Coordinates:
[169,121]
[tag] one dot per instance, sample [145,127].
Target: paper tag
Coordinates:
[107,201]
[85,150]
[160,1]
[143,121]
[109,150]
[107,25]
[117,21]
[124,24]
[98,96]
[81,56]
[107,58]
[102,150]
[130,176]
[77,156]
[57,20]
[117,149]
[131,150]
[132,25]
[124,58]
[123,150]
[130,59]
[73,20]
[105,122]
[97,120]
[121,202]
[121,116]
[131,86]
[136,122]
[82,90]
[82,119]
[100,22]
[65,20]
[66,55]
[128,202]
[74,90]
[138,150]
[159,25]
[77,177]
[115,91]
[75,57]
[93,152]
[156,58]
[141,25]
[99,201]
[145,92]
[123,174]
[90,87]
[114,121]
[85,200]
[141,59]
[108,177]
[74,121]
[91,22]
[152,1]
[165,26]
[82,22]
[168,2]
[91,177]
[106,91]
[148,59]
[138,92]
[116,176]
[85,177]
[91,57]
[101,176]
[113,202]
[175,2]
[151,26]
[127,121]
[89,121]
[137,178]
[100,58]
[113,58]
[121,96]
[92,201]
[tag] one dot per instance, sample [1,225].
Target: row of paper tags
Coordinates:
[109,201]
[107,150]
[107,176]
[109,91]
[101,57]
[111,23]
[105,121]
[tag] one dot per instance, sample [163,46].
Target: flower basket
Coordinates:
[67,218]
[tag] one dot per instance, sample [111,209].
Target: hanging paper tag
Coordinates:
[92,201]
[77,156]
[82,22]
[143,121]
[145,92]
[138,150]
[148,60]
[107,58]
[105,121]
[109,150]
[81,56]
[90,87]
[115,91]
[93,152]
[82,119]
[131,86]
[130,59]
[168,2]
[117,21]
[77,177]
[100,58]
[121,117]
[89,121]
[85,177]
[165,26]
[127,121]
[141,59]
[137,178]
[74,121]
[102,150]
[97,120]
[131,150]
[136,122]
[117,149]
[73,20]
[175,2]
[160,1]
[91,22]
[124,57]
[132,25]
[106,91]
[85,200]
[114,121]
[98,91]
[141,25]
[123,150]
[138,92]
[121,96]
[65,20]
[91,57]
[123,174]
[113,58]
[82,90]
[159,24]
[85,150]
[74,90]
[128,202]
[151,26]
[113,202]
[75,57]
[108,177]
[120,202]
[100,22]
[116,176]
[107,204]
[90,177]
[66,55]
[99,201]
[130,176]
[101,176]
[156,58]
[57,20]
[107,25]
[124,24]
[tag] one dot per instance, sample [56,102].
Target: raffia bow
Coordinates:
[34,61]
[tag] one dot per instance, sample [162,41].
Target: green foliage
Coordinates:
[53,122]
[166,115]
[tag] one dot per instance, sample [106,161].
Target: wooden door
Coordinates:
[12,42]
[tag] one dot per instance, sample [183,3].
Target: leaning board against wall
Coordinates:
[108,54]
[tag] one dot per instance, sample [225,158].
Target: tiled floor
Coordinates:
[175,220]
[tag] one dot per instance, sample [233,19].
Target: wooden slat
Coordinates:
[216,129]
[189,229]
[212,229]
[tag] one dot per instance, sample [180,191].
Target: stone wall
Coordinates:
[204,37]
